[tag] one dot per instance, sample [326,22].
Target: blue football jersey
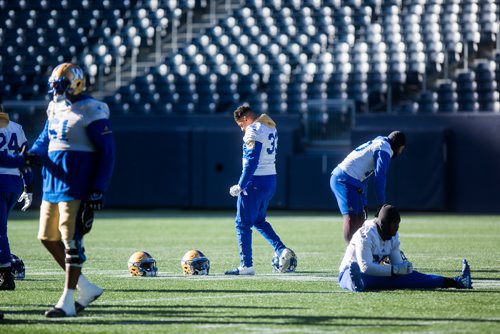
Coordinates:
[78,142]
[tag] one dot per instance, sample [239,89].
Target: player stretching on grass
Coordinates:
[350,178]
[78,143]
[255,189]
[361,269]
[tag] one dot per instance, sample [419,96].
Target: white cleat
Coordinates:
[86,296]
[241,271]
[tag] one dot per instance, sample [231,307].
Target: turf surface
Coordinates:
[308,301]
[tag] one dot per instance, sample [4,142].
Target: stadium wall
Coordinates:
[452,163]
[187,161]
[471,176]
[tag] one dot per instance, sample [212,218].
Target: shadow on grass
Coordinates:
[457,271]
[209,317]
[485,279]
[205,291]
[222,306]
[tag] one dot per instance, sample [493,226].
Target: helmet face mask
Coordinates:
[195,262]
[66,78]
[59,87]
[142,264]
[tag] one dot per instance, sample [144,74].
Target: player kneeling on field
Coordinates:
[361,270]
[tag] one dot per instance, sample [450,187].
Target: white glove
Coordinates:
[27,198]
[403,268]
[236,190]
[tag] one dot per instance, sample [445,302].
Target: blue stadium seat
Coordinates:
[427,103]
[447,96]
[487,86]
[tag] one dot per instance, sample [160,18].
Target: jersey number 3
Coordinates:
[274,143]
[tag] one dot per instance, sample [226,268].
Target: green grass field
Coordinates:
[308,301]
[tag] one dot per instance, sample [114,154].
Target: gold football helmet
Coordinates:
[142,264]
[67,78]
[195,262]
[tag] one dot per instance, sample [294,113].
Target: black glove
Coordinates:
[85,218]
[31,159]
[96,200]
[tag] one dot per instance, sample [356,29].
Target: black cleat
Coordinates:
[79,307]
[56,312]
[7,279]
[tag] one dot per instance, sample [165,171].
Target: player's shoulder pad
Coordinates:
[93,110]
[380,144]
[368,230]
[252,132]
[15,126]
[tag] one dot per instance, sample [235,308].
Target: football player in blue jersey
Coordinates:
[78,144]
[15,175]
[350,178]
[361,269]
[256,187]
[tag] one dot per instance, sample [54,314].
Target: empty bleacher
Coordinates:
[424,56]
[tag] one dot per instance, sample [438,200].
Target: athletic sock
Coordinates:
[67,302]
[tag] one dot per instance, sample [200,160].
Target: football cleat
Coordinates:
[464,281]
[241,271]
[357,281]
[7,279]
[67,78]
[56,312]
[195,262]
[285,262]
[17,266]
[86,296]
[142,264]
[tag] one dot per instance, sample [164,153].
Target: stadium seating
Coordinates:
[96,34]
[274,55]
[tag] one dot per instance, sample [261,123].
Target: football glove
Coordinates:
[403,268]
[86,218]
[96,200]
[27,197]
[236,190]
